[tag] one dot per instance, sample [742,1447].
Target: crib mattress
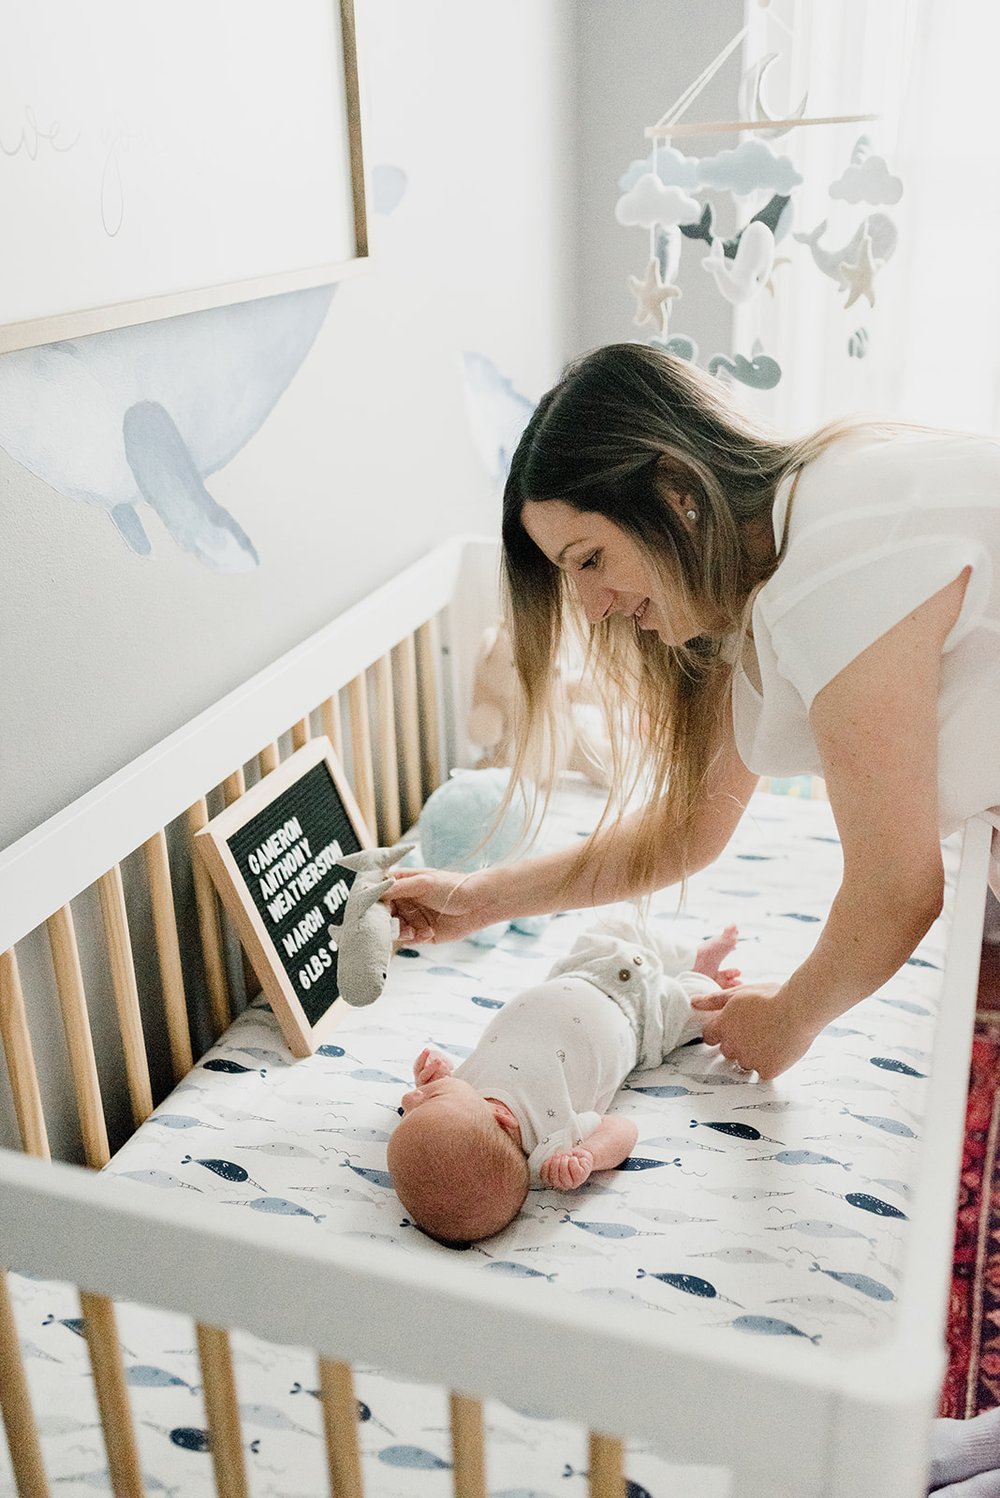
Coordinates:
[748,1209]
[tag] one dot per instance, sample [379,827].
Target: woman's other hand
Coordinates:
[756,1028]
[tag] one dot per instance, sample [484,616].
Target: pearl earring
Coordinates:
[691,514]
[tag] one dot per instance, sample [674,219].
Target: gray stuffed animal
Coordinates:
[365,935]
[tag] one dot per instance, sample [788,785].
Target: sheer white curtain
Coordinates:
[930,68]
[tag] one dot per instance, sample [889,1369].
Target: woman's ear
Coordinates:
[676,495]
[684,508]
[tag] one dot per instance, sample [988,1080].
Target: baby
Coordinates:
[528,1104]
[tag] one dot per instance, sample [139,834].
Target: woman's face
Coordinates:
[609,571]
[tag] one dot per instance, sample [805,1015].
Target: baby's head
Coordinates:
[456,1162]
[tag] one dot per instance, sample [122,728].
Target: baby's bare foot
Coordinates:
[711,953]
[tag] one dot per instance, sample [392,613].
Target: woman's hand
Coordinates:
[436,904]
[757,1028]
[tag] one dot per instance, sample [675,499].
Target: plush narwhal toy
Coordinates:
[367,930]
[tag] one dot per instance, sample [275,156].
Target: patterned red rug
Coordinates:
[973,1380]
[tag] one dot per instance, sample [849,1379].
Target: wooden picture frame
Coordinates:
[158,160]
[272,858]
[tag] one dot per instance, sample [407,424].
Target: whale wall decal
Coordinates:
[144,415]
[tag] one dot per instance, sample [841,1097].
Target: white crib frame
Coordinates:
[789,1420]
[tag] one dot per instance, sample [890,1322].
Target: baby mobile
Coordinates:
[658,195]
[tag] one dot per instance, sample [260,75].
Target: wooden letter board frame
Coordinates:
[303,1030]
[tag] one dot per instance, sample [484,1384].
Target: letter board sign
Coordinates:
[273,857]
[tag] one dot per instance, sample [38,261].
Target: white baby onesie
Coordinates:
[558,1053]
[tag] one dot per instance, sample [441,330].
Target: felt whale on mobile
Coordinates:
[877,227]
[742,277]
[777,215]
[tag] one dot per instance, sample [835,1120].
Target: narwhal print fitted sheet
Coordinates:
[750,1210]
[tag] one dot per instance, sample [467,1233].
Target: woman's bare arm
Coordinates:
[876,726]
[440,906]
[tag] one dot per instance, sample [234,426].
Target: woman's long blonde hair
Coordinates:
[623,424]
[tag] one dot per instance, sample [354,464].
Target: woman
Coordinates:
[755,607]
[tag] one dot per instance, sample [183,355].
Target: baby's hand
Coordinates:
[567,1171]
[430,1067]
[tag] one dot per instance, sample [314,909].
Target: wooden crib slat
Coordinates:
[361,748]
[161,897]
[208,925]
[20,1059]
[112,895]
[607,1467]
[15,1406]
[79,1042]
[340,1425]
[301,733]
[430,736]
[223,1411]
[112,1395]
[268,759]
[233,787]
[386,758]
[467,1448]
[409,721]
[331,725]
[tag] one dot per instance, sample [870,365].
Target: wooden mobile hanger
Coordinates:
[667,126]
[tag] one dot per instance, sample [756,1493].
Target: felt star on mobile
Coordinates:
[652,296]
[859,279]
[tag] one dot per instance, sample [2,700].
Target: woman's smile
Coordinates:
[608,570]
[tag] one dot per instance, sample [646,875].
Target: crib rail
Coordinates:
[627,1372]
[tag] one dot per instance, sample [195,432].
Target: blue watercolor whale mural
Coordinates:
[144,415]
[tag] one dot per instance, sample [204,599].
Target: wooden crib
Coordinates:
[107,921]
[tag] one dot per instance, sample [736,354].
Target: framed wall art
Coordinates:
[157,159]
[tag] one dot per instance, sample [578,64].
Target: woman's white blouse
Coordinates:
[878,524]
